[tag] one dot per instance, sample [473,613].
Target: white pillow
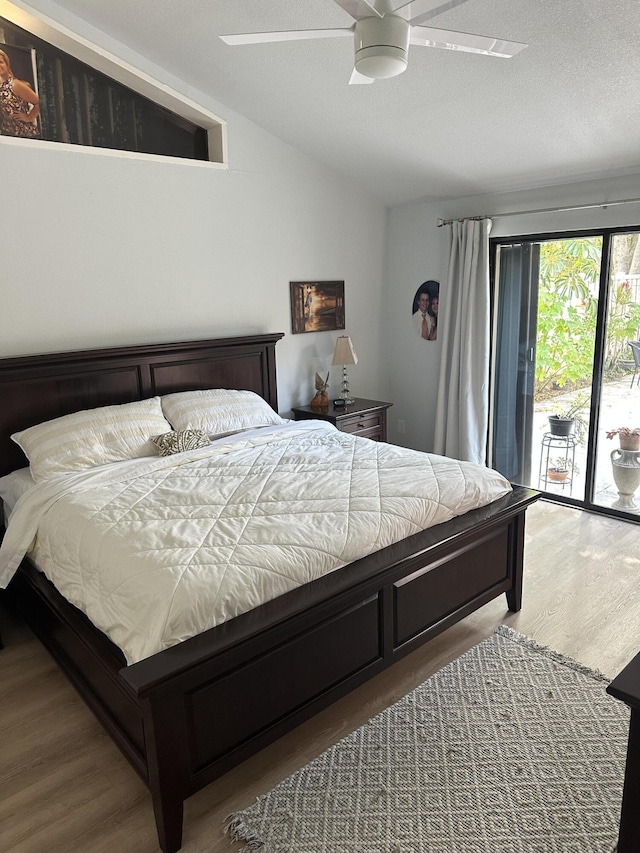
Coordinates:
[13,486]
[218,411]
[92,437]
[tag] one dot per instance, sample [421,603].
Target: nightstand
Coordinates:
[367,418]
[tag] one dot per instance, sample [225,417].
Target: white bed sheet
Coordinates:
[156,551]
[12,487]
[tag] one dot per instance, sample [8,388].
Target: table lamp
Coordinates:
[345,354]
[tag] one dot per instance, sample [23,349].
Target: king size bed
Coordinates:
[186,702]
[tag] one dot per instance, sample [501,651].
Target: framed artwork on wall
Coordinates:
[316,306]
[424,312]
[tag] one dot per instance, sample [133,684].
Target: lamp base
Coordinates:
[345,394]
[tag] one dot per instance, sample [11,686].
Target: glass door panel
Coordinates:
[617,470]
[566,332]
[546,306]
[515,335]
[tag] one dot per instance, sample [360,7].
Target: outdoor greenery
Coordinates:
[623,325]
[567,309]
[569,271]
[623,431]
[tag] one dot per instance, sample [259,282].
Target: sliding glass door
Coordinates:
[566,319]
[617,473]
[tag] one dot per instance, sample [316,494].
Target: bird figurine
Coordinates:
[321,401]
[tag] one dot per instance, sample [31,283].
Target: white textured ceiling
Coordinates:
[454,124]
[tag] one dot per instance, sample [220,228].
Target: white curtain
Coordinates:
[462,417]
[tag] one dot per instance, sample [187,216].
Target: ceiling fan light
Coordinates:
[381,61]
[381,46]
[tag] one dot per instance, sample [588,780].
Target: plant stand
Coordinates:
[556,445]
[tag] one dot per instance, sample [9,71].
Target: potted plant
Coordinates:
[629,438]
[571,420]
[559,469]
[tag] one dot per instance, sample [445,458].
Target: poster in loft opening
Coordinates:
[19,101]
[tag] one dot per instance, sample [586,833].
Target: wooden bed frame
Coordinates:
[185,716]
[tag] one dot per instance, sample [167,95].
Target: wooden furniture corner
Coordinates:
[626,687]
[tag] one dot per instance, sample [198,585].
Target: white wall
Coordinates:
[100,249]
[418,251]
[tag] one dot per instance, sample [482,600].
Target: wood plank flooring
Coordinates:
[65,787]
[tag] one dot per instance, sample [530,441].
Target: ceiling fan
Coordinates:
[383,31]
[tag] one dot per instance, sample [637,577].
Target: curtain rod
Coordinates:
[603,204]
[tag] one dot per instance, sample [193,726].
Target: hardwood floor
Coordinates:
[65,787]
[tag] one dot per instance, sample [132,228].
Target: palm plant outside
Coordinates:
[567,309]
[568,281]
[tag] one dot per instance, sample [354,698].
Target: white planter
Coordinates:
[626,473]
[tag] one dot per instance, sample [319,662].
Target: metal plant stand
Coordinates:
[557,446]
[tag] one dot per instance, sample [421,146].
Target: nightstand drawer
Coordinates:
[375,434]
[367,418]
[361,423]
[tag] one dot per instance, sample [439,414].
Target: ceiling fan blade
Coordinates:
[417,11]
[468,42]
[360,8]
[286,35]
[359,79]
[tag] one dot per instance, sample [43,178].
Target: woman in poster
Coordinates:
[19,104]
[433,311]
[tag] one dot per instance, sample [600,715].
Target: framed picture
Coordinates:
[19,101]
[316,306]
[424,311]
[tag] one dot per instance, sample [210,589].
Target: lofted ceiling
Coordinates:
[454,124]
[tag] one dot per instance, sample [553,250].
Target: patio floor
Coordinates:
[620,406]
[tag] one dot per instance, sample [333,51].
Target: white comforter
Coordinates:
[157,550]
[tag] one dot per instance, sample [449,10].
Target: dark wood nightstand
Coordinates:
[363,417]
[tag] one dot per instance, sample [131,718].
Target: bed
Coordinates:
[187,714]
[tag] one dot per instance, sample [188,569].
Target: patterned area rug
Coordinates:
[512,748]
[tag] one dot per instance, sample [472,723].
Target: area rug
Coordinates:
[512,748]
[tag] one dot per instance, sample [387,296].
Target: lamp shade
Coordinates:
[344,352]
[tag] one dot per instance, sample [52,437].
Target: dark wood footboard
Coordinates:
[185,716]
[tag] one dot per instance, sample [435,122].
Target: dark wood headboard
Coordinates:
[37,388]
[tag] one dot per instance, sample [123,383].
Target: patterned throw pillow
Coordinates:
[177,442]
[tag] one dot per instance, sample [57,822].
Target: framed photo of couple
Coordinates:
[424,313]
